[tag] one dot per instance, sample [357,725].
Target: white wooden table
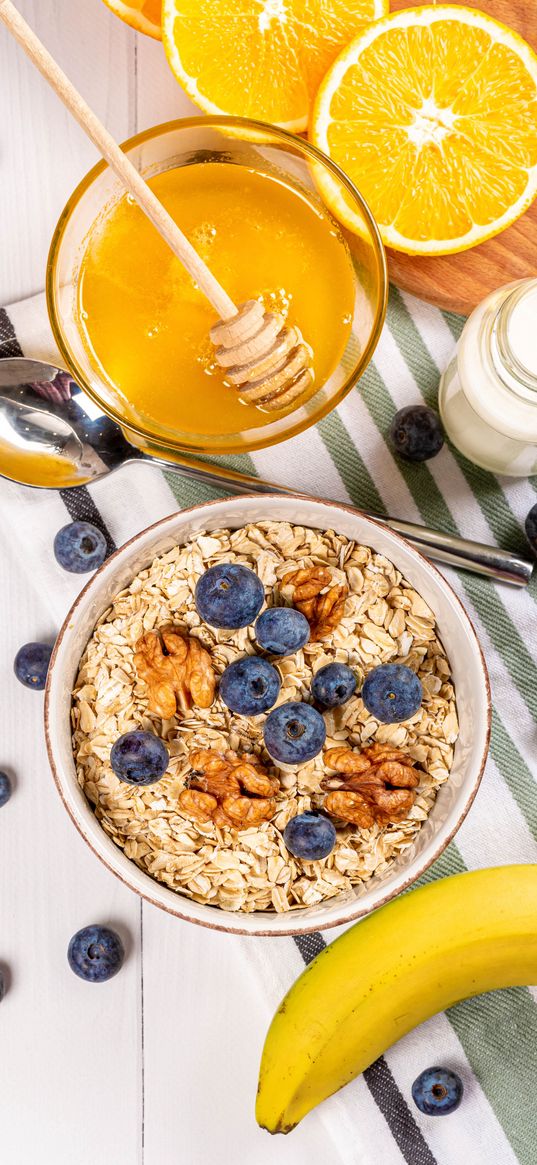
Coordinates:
[159,1066]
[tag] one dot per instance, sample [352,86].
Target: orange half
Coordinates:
[143,15]
[432,113]
[260,58]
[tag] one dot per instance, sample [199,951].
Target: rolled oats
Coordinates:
[384,619]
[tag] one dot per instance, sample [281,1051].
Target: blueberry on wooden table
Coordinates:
[250,686]
[294,733]
[139,758]
[310,836]
[416,433]
[31,664]
[229,596]
[437,1091]
[333,685]
[5,788]
[80,547]
[392,692]
[95,953]
[282,630]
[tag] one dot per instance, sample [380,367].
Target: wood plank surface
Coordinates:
[459,282]
[71,1050]
[159,1066]
[43,153]
[71,1089]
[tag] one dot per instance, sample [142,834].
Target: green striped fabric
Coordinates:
[348,457]
[491,1040]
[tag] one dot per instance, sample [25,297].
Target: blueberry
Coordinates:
[139,758]
[437,1091]
[333,685]
[392,692]
[531,528]
[250,686]
[416,433]
[95,953]
[229,595]
[5,788]
[294,733]
[31,664]
[282,630]
[310,836]
[3,985]
[80,547]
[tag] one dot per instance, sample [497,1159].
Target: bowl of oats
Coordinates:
[267,715]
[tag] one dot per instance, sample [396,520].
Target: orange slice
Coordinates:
[432,113]
[260,58]
[143,15]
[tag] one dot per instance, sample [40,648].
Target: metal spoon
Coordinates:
[44,414]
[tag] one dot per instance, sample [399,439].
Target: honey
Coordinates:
[146,325]
[49,470]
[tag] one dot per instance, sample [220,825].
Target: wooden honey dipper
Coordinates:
[267,361]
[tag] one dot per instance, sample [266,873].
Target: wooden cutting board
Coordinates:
[459,282]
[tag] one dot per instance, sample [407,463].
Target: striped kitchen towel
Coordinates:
[492,1040]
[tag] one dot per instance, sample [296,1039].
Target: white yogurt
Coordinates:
[488,393]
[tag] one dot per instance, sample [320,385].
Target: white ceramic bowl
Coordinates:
[470,677]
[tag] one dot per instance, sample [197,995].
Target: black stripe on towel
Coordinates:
[81,508]
[77,500]
[396,1112]
[310,945]
[9,345]
[391,1102]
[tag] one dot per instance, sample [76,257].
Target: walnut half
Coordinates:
[228,789]
[177,670]
[320,599]
[374,786]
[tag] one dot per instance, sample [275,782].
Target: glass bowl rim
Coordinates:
[152,439]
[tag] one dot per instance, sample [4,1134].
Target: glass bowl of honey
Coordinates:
[132,327]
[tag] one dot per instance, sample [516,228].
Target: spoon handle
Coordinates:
[117,160]
[489,561]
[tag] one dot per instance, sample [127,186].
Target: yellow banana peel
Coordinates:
[416,956]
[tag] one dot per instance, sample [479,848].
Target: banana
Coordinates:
[416,956]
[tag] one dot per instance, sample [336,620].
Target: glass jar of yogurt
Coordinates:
[488,393]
